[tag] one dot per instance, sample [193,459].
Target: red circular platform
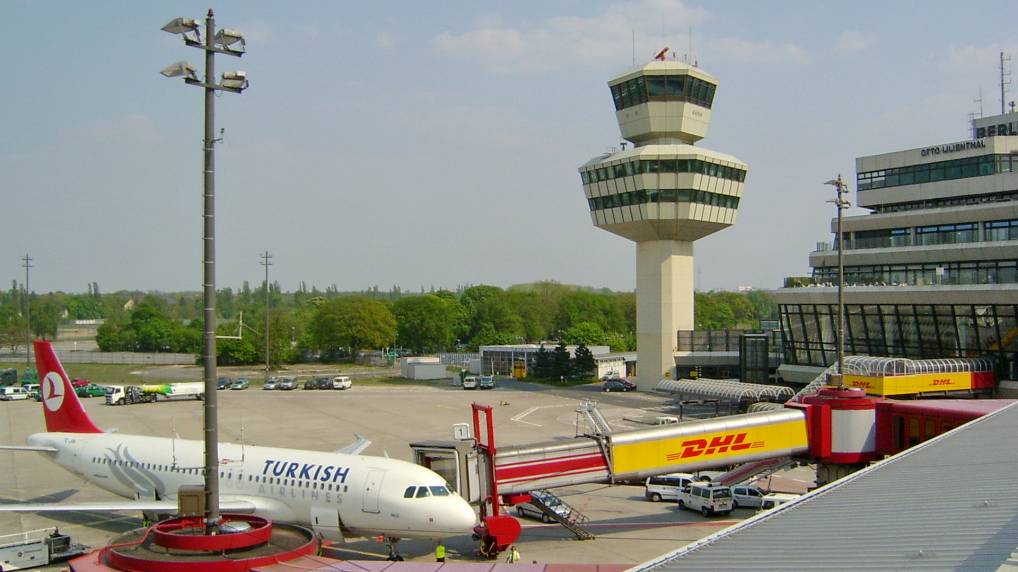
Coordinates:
[179,544]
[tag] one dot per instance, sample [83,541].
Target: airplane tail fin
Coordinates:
[64,412]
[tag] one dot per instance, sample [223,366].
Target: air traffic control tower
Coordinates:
[664,193]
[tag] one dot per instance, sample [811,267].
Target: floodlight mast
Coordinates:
[841,188]
[237,83]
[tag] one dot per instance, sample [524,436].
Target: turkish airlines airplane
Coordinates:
[336,494]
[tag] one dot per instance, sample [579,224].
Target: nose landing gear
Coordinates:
[391,542]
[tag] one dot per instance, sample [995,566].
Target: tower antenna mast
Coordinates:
[1004,82]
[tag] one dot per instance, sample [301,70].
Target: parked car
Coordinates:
[747,496]
[311,384]
[708,498]
[287,384]
[666,487]
[33,391]
[241,383]
[11,393]
[270,383]
[470,382]
[78,382]
[341,382]
[486,382]
[91,390]
[618,385]
[772,500]
[224,383]
[529,510]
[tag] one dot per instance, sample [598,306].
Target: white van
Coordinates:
[470,382]
[708,498]
[341,382]
[13,393]
[776,499]
[666,487]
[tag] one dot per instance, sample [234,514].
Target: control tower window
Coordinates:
[662,88]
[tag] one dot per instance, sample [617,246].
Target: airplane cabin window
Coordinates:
[423,492]
[440,491]
[409,492]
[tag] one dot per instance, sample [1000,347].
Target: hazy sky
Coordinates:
[437,143]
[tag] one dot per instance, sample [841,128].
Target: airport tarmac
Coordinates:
[629,529]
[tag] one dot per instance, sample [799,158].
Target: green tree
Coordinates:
[425,323]
[234,351]
[585,333]
[489,309]
[560,362]
[542,364]
[349,323]
[712,314]
[583,362]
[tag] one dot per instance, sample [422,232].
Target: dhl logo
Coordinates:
[942,382]
[719,444]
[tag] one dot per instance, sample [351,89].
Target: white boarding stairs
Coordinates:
[572,519]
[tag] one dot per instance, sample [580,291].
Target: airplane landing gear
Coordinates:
[394,556]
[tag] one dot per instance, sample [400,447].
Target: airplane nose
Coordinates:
[464,519]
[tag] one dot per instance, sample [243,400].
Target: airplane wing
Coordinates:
[27,448]
[356,447]
[167,505]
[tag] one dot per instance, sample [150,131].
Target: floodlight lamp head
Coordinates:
[180,69]
[235,80]
[181,26]
[227,38]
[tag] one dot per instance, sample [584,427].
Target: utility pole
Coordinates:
[265,262]
[27,263]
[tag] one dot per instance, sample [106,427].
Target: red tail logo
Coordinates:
[64,413]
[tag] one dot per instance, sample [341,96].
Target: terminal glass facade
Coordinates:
[939,171]
[922,274]
[663,88]
[899,330]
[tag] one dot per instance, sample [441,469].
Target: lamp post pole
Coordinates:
[265,262]
[841,189]
[235,82]
[27,263]
[212,517]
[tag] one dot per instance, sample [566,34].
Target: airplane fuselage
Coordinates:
[336,494]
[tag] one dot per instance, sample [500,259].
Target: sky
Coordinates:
[436,144]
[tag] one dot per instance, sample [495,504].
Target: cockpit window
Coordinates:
[409,492]
[423,492]
[439,491]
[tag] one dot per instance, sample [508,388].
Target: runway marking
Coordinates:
[519,416]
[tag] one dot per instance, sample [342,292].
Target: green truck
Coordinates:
[90,390]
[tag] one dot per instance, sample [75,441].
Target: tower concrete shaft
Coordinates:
[664,304]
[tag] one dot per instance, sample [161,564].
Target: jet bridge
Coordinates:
[490,476]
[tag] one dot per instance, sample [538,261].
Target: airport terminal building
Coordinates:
[931,271]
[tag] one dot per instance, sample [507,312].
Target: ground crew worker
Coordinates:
[514,555]
[440,552]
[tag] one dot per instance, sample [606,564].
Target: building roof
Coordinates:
[950,503]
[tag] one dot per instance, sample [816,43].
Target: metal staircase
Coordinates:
[559,511]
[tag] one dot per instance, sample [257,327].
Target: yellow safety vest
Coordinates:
[440,551]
